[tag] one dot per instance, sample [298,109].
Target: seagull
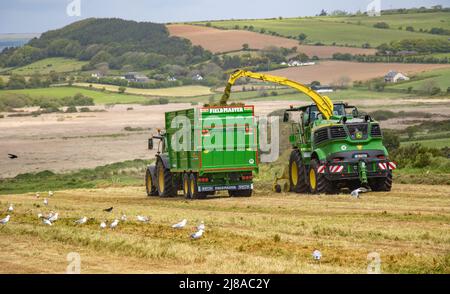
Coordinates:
[358,191]
[10,208]
[5,220]
[317,255]
[115,224]
[40,215]
[197,235]
[53,217]
[124,218]
[38,195]
[12,156]
[47,222]
[201,227]
[46,201]
[81,221]
[50,193]
[103,225]
[180,225]
[143,219]
[108,209]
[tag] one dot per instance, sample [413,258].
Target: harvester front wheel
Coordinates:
[297,177]
[382,184]
[186,190]
[164,181]
[149,185]
[318,183]
[193,188]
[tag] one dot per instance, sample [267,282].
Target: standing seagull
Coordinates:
[197,235]
[45,201]
[103,225]
[53,217]
[317,255]
[81,221]
[5,220]
[50,193]
[143,219]
[115,224]
[358,191]
[47,222]
[10,208]
[180,225]
[38,195]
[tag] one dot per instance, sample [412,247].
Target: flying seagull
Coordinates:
[81,221]
[143,219]
[108,209]
[201,227]
[5,220]
[47,222]
[10,208]
[12,156]
[180,225]
[197,235]
[317,255]
[103,225]
[115,224]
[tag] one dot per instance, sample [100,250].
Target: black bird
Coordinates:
[108,209]
[12,156]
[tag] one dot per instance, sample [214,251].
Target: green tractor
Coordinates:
[334,146]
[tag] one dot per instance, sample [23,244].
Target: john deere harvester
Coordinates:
[333,145]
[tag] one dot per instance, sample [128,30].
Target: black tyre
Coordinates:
[165,185]
[241,193]
[186,191]
[382,184]
[318,183]
[193,188]
[297,173]
[149,185]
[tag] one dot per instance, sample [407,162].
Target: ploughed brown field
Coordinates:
[331,71]
[220,41]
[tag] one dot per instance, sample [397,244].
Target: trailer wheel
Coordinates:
[149,185]
[165,181]
[186,190]
[382,184]
[193,188]
[297,173]
[318,183]
[241,193]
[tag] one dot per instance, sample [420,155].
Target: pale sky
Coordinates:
[36,16]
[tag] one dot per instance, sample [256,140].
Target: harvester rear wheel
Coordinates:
[318,183]
[193,188]
[149,185]
[164,181]
[297,173]
[186,190]
[382,184]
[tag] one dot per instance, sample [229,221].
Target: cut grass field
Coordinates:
[267,233]
[433,143]
[45,66]
[183,91]
[440,76]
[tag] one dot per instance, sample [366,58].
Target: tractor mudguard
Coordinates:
[320,154]
[165,160]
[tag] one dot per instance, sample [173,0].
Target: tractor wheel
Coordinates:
[318,183]
[297,173]
[240,193]
[382,184]
[149,185]
[186,190]
[165,184]
[193,188]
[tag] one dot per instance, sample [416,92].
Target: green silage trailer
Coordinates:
[205,150]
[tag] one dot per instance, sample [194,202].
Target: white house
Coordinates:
[197,77]
[394,77]
[171,79]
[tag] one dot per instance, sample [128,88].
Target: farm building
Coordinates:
[323,89]
[197,77]
[394,77]
[136,77]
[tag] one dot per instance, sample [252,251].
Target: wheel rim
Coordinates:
[312,179]
[294,173]
[186,187]
[193,186]
[149,182]
[161,179]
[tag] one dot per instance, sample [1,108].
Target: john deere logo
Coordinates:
[360,147]
[359,135]
[343,147]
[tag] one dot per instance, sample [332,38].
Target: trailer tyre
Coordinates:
[382,184]
[193,188]
[297,173]
[165,184]
[149,185]
[318,183]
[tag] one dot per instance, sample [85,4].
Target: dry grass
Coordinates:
[264,234]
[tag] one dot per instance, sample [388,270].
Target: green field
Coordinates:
[340,30]
[435,143]
[440,76]
[45,66]
[98,96]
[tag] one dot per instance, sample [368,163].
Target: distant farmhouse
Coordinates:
[136,77]
[323,89]
[394,77]
[197,77]
[296,63]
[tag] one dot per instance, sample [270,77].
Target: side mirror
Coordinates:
[355,113]
[150,144]
[286,117]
